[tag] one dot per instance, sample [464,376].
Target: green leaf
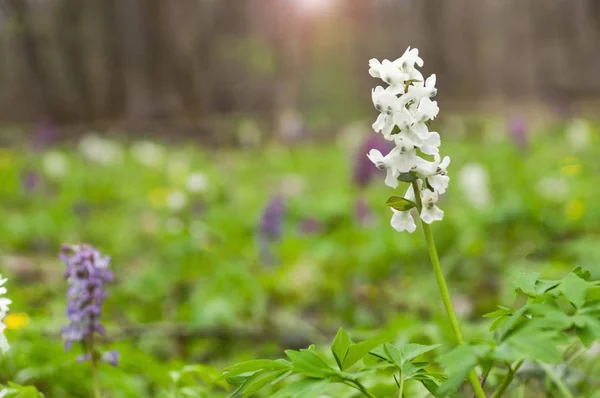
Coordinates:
[356,352]
[525,282]
[400,203]
[583,273]
[588,331]
[458,363]
[593,294]
[407,177]
[411,351]
[258,380]
[532,343]
[309,363]
[254,366]
[574,289]
[340,347]
[307,388]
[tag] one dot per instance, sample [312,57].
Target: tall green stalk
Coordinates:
[445,293]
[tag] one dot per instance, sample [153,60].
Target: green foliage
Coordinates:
[13,390]
[399,203]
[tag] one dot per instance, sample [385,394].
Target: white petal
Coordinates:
[375,156]
[380,122]
[374,67]
[391,178]
[403,221]
[439,183]
[431,214]
[445,163]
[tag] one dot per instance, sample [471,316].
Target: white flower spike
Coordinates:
[405,110]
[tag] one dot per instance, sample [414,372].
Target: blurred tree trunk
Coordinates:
[113,56]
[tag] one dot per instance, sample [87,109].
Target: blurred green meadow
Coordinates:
[198,288]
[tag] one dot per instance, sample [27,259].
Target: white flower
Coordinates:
[100,150]
[55,164]
[403,221]
[474,182]
[4,303]
[176,200]
[148,153]
[406,104]
[430,212]
[386,103]
[196,182]
[401,159]
[420,90]
[554,189]
[578,134]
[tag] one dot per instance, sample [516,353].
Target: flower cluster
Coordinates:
[87,273]
[4,302]
[405,108]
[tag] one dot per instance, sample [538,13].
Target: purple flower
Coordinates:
[30,180]
[87,273]
[517,128]
[271,220]
[364,170]
[311,226]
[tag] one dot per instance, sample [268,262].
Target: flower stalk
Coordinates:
[445,293]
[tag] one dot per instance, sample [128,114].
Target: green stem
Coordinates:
[445,293]
[94,361]
[363,389]
[564,390]
[512,370]
[401,389]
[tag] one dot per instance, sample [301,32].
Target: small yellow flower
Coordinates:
[575,209]
[16,321]
[571,170]
[158,197]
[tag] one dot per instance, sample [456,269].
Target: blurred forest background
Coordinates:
[190,64]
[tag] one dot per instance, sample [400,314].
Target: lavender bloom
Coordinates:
[363,213]
[30,180]
[517,128]
[87,273]
[270,227]
[364,170]
[272,218]
[310,226]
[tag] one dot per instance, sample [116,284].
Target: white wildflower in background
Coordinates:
[148,153]
[196,182]
[4,302]
[554,189]
[578,134]
[100,150]
[474,183]
[176,200]
[405,110]
[55,164]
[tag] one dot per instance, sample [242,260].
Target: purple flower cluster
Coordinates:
[87,273]
[271,220]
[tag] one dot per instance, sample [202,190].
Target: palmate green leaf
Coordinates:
[340,347]
[574,289]
[583,273]
[309,363]
[400,203]
[307,388]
